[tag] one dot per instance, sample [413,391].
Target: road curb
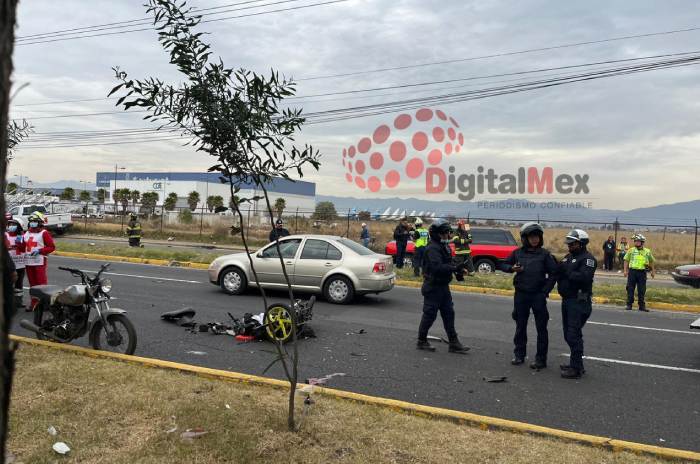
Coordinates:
[126,259]
[483,422]
[402,283]
[596,299]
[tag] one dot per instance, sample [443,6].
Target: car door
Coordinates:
[267,262]
[317,258]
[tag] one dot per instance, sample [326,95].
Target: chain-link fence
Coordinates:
[672,244]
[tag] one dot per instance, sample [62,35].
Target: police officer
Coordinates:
[133,231]
[535,275]
[575,285]
[462,240]
[279,231]
[437,274]
[420,240]
[638,261]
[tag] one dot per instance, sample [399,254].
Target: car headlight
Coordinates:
[106,285]
[681,272]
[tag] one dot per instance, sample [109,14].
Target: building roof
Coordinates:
[278,185]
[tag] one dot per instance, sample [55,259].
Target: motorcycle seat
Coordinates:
[45,292]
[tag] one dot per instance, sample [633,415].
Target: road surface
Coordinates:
[642,382]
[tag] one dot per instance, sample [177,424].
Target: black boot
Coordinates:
[538,364]
[424,345]
[564,367]
[516,361]
[456,347]
[571,373]
[629,308]
[643,309]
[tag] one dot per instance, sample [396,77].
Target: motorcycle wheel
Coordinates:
[278,323]
[121,328]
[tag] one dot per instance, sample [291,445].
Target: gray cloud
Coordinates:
[619,130]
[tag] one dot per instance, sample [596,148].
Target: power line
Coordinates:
[147,21]
[502,54]
[340,114]
[129,21]
[60,39]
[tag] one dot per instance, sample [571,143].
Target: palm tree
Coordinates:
[193,200]
[135,196]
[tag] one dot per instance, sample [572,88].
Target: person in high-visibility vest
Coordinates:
[463,252]
[38,245]
[638,260]
[133,231]
[420,240]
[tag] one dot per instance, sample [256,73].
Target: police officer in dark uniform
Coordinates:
[535,276]
[575,285]
[437,275]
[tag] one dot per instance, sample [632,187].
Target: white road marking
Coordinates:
[645,328]
[632,363]
[150,277]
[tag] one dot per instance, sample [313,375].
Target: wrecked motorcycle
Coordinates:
[63,314]
[278,319]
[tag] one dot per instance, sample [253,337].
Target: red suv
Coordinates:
[489,247]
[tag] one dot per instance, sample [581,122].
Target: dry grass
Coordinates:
[110,412]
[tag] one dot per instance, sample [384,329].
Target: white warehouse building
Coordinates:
[298,195]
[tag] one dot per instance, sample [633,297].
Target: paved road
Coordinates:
[642,386]
[603,277]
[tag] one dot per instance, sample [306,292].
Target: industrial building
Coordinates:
[299,195]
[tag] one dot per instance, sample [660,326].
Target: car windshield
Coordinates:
[356,247]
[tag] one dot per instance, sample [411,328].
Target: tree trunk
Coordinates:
[8,11]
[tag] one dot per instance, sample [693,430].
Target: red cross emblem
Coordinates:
[31,244]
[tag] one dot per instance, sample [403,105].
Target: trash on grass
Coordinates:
[191,434]
[61,448]
[52,431]
[173,430]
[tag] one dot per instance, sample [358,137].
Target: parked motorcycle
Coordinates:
[63,314]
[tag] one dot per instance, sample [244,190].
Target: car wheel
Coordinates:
[233,281]
[338,290]
[485,266]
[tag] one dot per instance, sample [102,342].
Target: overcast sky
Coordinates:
[636,136]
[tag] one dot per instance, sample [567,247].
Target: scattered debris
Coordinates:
[228,406]
[170,239]
[437,339]
[496,379]
[191,434]
[61,448]
[198,353]
[91,244]
[359,332]
[173,430]
[52,431]
[359,355]
[324,379]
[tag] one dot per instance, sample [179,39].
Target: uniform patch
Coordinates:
[573,260]
[590,263]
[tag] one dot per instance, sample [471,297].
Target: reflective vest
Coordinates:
[462,241]
[34,240]
[639,259]
[422,239]
[134,231]
[14,249]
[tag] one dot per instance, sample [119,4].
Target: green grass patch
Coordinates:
[193,256]
[110,412]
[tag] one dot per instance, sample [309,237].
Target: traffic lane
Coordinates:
[613,331]
[383,360]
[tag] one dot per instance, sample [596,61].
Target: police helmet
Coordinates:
[419,222]
[639,237]
[531,228]
[439,226]
[577,235]
[279,222]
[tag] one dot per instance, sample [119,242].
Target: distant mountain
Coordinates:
[518,210]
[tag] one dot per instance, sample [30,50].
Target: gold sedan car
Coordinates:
[337,267]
